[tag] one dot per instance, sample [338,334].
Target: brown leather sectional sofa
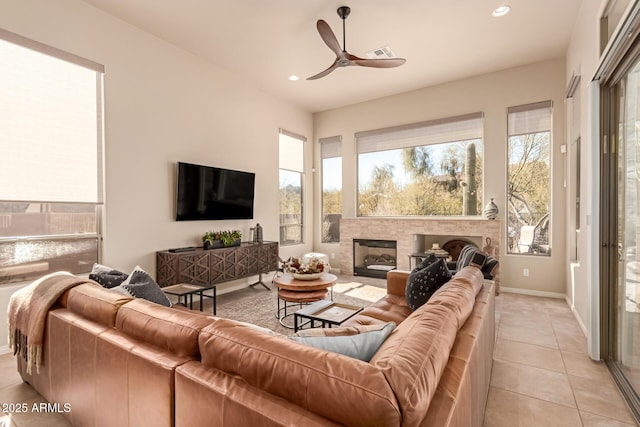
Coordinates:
[118,361]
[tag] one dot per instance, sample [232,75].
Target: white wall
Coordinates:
[582,59]
[164,105]
[492,94]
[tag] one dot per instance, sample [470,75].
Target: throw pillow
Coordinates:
[422,284]
[426,262]
[121,290]
[141,285]
[360,342]
[478,259]
[490,268]
[107,277]
[465,256]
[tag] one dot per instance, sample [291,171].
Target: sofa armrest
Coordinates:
[397,282]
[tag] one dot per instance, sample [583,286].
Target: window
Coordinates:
[428,168]
[291,170]
[50,160]
[330,151]
[529,179]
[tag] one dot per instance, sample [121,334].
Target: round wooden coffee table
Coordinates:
[292,292]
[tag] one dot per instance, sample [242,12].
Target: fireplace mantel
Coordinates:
[403,230]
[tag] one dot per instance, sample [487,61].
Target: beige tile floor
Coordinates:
[541,376]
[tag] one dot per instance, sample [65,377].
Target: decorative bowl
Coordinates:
[306,276]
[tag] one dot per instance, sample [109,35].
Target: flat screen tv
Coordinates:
[210,193]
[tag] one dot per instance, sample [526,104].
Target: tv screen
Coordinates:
[209,193]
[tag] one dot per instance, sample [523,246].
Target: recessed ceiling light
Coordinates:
[294,78]
[501,10]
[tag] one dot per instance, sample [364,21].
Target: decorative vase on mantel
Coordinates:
[491,210]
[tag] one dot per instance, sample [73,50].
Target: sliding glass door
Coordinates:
[626,351]
[620,223]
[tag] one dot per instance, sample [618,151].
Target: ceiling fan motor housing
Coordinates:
[344,11]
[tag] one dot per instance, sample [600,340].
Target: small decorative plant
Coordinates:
[218,239]
[230,237]
[208,238]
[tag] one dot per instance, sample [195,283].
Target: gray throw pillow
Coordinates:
[141,285]
[422,284]
[362,346]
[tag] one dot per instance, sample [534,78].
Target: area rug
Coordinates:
[258,305]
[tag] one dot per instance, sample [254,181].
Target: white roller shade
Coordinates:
[50,134]
[460,128]
[331,147]
[530,118]
[291,151]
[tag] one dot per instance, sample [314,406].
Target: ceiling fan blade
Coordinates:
[325,72]
[329,37]
[379,63]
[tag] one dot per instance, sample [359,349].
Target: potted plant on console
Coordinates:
[221,239]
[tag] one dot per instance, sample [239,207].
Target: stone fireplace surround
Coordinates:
[404,231]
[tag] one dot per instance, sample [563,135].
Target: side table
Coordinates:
[187,290]
[300,292]
[328,313]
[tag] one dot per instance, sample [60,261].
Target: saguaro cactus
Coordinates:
[469,190]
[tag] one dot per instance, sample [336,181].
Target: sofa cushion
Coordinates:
[314,379]
[359,342]
[165,327]
[423,283]
[95,303]
[390,308]
[414,357]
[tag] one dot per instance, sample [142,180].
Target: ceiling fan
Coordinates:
[344,58]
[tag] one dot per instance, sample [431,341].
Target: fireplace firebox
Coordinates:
[374,258]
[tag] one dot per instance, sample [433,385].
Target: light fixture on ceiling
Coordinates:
[294,78]
[501,10]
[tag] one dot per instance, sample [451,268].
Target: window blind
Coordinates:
[50,124]
[331,147]
[529,118]
[291,151]
[451,129]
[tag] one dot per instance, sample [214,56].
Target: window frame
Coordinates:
[291,165]
[330,148]
[464,128]
[58,239]
[529,122]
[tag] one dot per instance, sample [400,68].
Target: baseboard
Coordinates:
[578,319]
[533,293]
[5,349]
